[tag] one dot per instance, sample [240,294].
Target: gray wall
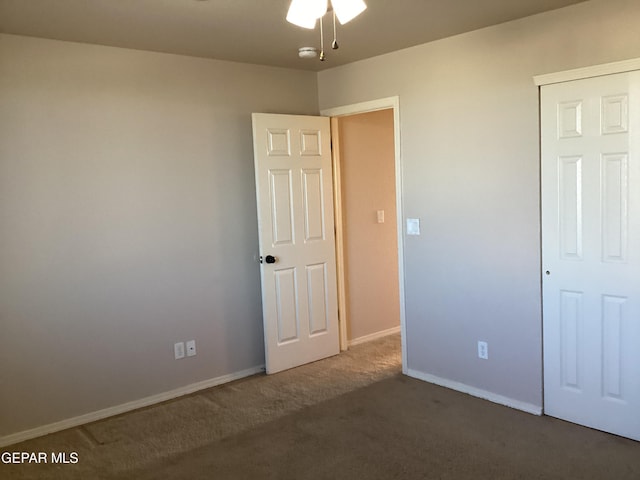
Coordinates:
[127,222]
[470,152]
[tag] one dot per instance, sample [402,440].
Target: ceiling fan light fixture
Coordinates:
[304,13]
[347,10]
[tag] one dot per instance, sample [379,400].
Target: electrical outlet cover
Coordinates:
[483,350]
[178,350]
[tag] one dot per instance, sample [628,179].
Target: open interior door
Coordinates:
[292,157]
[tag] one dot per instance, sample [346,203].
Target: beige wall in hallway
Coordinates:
[371,248]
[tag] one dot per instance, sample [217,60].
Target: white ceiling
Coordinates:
[255,31]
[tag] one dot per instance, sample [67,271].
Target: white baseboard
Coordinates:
[125,407]
[476,392]
[374,336]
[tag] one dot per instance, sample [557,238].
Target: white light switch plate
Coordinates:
[380,216]
[413,226]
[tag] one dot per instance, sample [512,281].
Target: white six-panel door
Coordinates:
[591,251]
[296,232]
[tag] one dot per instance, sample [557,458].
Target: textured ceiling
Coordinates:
[255,31]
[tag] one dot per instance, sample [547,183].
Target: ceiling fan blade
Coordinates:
[347,10]
[304,13]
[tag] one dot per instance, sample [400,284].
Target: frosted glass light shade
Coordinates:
[347,10]
[304,13]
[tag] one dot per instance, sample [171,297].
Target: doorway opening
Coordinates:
[368,218]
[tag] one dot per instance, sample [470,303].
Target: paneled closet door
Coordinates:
[591,251]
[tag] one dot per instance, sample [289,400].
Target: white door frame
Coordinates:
[568,76]
[587,72]
[364,107]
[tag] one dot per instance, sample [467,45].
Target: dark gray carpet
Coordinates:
[401,428]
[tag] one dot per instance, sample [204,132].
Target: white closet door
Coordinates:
[591,251]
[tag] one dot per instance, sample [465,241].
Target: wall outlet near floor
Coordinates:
[178,350]
[191,348]
[483,350]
